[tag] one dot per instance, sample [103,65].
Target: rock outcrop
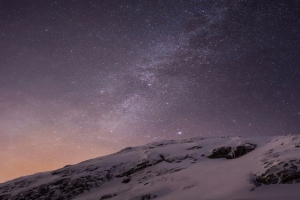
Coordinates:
[282,173]
[232,152]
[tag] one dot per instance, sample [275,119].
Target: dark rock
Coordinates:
[43,189]
[177,169]
[232,152]
[6,188]
[178,159]
[194,147]
[61,181]
[187,141]
[148,197]
[126,180]
[63,171]
[4,196]
[66,186]
[141,166]
[221,152]
[282,173]
[108,196]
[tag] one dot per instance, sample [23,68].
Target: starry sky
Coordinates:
[84,78]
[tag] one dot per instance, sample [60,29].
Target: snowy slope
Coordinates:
[224,168]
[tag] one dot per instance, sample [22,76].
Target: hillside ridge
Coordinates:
[211,167]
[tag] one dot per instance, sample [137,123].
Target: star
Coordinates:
[142,71]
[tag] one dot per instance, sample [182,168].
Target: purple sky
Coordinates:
[82,78]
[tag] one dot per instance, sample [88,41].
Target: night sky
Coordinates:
[81,79]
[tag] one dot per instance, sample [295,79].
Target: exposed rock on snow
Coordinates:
[232,152]
[108,196]
[148,197]
[194,147]
[126,180]
[282,173]
[173,169]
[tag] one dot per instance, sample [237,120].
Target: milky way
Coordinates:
[81,79]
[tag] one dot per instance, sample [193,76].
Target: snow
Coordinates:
[170,169]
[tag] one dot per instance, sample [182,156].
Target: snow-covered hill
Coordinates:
[226,168]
